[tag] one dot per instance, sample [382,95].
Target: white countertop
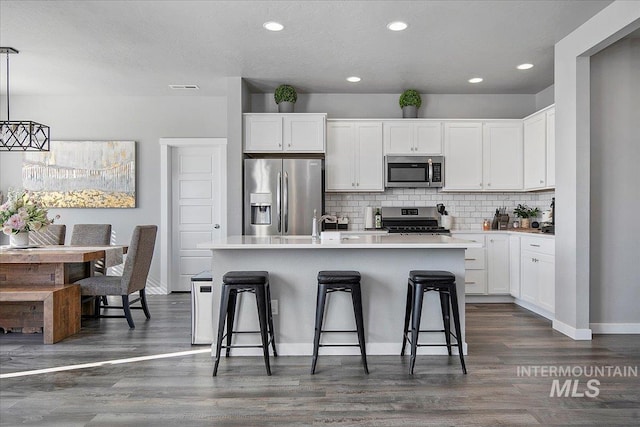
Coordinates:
[510,231]
[349,241]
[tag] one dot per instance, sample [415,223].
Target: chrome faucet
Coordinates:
[318,223]
[326,217]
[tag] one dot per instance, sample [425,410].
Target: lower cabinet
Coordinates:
[537,272]
[475,279]
[515,264]
[497,264]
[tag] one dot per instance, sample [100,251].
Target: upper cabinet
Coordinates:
[551,147]
[463,156]
[539,150]
[412,137]
[502,156]
[295,133]
[483,156]
[354,159]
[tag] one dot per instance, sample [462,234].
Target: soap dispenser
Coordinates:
[314,225]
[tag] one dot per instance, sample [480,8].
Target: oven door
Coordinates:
[407,171]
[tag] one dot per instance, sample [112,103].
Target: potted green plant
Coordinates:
[410,101]
[525,213]
[285,96]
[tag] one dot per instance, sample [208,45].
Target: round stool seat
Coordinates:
[246,278]
[328,277]
[431,276]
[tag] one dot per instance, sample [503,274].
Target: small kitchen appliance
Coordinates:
[414,220]
[548,219]
[414,171]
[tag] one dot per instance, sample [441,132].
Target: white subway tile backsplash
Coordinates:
[468,209]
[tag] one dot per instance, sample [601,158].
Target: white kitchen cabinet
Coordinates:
[295,133]
[475,280]
[537,272]
[497,264]
[539,150]
[483,156]
[502,156]
[551,147]
[354,160]
[412,137]
[514,266]
[463,156]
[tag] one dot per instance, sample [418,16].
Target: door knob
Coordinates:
[216,226]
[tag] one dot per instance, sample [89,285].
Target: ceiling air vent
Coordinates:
[184,87]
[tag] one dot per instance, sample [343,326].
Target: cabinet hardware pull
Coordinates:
[469,259]
[531,244]
[469,283]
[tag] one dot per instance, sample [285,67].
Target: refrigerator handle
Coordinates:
[278,200]
[286,202]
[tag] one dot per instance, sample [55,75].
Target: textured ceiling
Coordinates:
[140,47]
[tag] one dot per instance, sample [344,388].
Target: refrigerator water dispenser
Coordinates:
[260,208]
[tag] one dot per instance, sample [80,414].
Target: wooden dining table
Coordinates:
[37,290]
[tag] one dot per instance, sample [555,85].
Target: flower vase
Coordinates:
[525,223]
[19,239]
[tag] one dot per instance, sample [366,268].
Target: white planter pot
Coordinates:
[19,239]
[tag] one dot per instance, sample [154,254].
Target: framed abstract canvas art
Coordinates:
[83,174]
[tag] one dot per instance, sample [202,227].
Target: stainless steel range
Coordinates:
[414,220]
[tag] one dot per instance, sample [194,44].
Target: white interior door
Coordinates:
[198,210]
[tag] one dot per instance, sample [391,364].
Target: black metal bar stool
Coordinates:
[234,283]
[339,281]
[443,282]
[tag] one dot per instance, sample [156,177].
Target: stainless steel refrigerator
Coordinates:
[281,194]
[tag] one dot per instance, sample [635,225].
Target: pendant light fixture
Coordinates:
[21,135]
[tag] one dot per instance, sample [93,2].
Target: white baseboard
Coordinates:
[571,332]
[488,299]
[615,328]
[532,307]
[373,349]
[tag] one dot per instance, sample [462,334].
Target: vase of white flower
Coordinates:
[21,214]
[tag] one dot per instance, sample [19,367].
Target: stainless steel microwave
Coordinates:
[414,171]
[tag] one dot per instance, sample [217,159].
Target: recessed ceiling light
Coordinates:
[353,79]
[524,66]
[475,80]
[397,26]
[273,26]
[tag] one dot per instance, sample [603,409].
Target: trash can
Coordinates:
[202,308]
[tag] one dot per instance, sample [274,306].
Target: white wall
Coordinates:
[142,119]
[386,105]
[615,197]
[572,92]
[545,97]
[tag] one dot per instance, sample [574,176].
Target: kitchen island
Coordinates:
[293,263]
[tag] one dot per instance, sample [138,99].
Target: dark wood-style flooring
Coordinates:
[181,390]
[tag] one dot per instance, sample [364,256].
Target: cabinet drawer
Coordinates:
[538,245]
[475,282]
[474,259]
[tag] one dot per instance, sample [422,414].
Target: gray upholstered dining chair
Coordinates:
[92,235]
[133,279]
[53,234]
